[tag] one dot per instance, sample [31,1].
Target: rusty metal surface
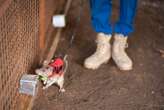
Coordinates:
[19,31]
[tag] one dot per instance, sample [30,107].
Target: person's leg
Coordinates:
[127,14]
[100,17]
[122,29]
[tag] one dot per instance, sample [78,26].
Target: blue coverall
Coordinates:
[101,13]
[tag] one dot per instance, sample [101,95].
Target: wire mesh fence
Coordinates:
[20,31]
[19,36]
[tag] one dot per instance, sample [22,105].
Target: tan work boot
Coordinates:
[102,54]
[118,52]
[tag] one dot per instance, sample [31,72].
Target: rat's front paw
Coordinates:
[44,87]
[62,90]
[44,82]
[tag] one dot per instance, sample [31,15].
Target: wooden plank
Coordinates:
[55,41]
[56,37]
[31,104]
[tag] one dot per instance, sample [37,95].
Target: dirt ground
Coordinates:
[108,88]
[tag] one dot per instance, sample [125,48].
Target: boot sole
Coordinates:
[122,68]
[125,68]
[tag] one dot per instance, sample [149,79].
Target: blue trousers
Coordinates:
[101,14]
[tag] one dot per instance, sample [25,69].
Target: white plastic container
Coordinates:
[29,84]
[59,21]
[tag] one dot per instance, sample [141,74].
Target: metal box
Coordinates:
[29,84]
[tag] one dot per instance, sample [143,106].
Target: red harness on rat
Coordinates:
[58,67]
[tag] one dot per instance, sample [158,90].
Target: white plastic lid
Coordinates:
[59,21]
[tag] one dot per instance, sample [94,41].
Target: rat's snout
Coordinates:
[40,71]
[44,71]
